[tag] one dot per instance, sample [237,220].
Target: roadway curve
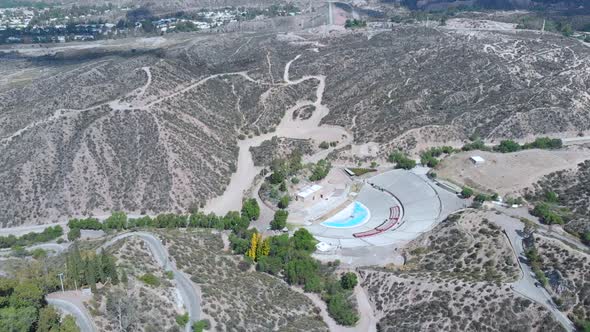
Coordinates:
[526,285]
[188,293]
[65,303]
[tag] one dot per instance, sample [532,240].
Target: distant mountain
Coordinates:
[575,6]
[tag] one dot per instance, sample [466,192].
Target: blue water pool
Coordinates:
[353,215]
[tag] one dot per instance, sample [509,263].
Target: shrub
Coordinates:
[74,234]
[201,325]
[507,146]
[250,209]
[182,320]
[284,202]
[280,220]
[320,170]
[480,198]
[150,279]
[341,310]
[348,280]
[466,192]
[478,144]
[401,160]
[324,145]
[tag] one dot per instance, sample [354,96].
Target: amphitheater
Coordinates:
[393,207]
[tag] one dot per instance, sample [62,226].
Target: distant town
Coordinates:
[50,24]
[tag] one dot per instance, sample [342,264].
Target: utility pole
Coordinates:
[61,279]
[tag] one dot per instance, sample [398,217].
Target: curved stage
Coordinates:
[419,203]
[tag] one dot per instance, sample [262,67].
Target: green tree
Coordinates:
[74,234]
[49,320]
[27,294]
[320,170]
[303,240]
[201,325]
[68,324]
[466,192]
[567,30]
[341,310]
[117,220]
[507,146]
[283,186]
[348,280]
[90,274]
[480,198]
[17,319]
[280,220]
[182,320]
[401,161]
[284,202]
[251,209]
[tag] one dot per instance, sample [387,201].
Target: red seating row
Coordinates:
[394,216]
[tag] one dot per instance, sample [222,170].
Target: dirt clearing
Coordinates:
[507,173]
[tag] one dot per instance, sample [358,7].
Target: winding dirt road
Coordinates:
[242,179]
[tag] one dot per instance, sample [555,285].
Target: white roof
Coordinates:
[309,190]
[477,159]
[323,246]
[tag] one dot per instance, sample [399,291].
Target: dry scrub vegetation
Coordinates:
[455,279]
[146,308]
[573,193]
[465,246]
[234,296]
[568,275]
[279,148]
[150,131]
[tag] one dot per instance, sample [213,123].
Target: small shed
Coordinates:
[477,160]
[308,193]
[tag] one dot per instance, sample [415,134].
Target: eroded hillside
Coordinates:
[86,132]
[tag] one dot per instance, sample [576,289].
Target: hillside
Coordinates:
[154,128]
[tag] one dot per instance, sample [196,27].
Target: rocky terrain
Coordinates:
[87,131]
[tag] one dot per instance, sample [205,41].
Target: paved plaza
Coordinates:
[422,203]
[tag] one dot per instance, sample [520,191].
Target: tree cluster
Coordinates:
[23,307]
[320,170]
[401,160]
[48,234]
[89,269]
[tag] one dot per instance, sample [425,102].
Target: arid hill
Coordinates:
[89,130]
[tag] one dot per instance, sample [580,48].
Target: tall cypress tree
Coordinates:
[90,272]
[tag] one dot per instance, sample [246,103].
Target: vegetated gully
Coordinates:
[246,171]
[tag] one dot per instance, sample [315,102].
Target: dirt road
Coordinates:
[242,179]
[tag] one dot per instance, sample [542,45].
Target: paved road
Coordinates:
[188,293]
[526,286]
[554,231]
[18,231]
[82,317]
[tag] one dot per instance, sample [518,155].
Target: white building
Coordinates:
[308,193]
[477,160]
